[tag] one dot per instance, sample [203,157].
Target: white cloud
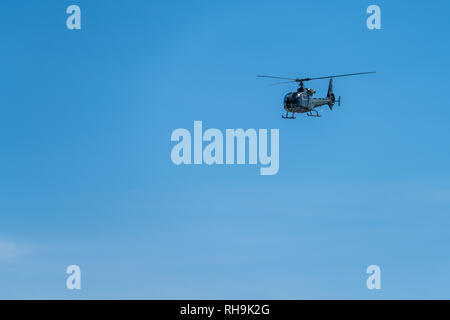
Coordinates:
[441,195]
[10,250]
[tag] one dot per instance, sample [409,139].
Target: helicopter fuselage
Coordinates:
[301,102]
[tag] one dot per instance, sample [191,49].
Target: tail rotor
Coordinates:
[331,97]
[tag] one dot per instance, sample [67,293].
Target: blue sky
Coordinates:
[86,176]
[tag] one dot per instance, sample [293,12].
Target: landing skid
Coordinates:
[310,114]
[287,117]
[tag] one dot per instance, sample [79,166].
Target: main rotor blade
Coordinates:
[317,78]
[273,77]
[284,82]
[338,75]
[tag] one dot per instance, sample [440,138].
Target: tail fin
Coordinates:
[330,87]
[330,95]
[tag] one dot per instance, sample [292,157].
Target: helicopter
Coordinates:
[301,101]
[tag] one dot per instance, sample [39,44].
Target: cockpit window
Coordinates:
[288,97]
[293,99]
